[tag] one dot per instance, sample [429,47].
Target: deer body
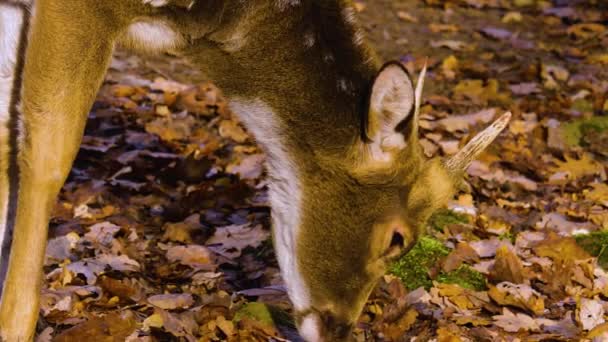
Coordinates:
[349,187]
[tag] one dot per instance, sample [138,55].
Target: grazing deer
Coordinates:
[349,187]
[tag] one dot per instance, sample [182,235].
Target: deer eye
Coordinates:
[397,240]
[396,246]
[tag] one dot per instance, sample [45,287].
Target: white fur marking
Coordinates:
[10,29]
[156,3]
[11,21]
[284,191]
[310,329]
[154,36]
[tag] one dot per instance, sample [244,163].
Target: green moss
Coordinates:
[575,130]
[263,313]
[582,105]
[413,268]
[507,236]
[256,311]
[464,276]
[596,244]
[444,217]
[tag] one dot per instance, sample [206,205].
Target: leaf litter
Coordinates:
[161,232]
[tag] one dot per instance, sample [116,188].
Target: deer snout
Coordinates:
[325,327]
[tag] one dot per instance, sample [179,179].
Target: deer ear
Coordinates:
[392,102]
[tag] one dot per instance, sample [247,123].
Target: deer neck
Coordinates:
[284,75]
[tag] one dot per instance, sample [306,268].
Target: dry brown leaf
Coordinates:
[204,99]
[182,231]
[508,267]
[101,233]
[578,168]
[463,298]
[462,253]
[171,301]
[599,194]
[250,167]
[600,332]
[114,327]
[561,225]
[590,313]
[521,296]
[454,123]
[230,129]
[586,30]
[560,248]
[480,92]
[179,325]
[231,240]
[449,334]
[511,322]
[191,255]
[125,289]
[395,330]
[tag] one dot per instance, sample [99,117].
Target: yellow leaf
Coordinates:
[599,194]
[598,59]
[521,296]
[154,321]
[449,66]
[586,30]
[577,168]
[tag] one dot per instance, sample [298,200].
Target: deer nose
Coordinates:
[334,328]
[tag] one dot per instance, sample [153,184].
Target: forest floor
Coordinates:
[162,231]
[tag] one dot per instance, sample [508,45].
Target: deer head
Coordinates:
[359,213]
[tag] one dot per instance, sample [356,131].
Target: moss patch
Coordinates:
[596,244]
[464,276]
[574,131]
[444,217]
[413,268]
[256,311]
[266,314]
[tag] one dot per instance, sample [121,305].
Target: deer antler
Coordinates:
[461,160]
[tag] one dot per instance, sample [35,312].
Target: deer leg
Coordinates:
[61,56]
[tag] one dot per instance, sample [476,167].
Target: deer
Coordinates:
[349,187]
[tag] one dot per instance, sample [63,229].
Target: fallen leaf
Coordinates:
[194,256]
[113,327]
[171,301]
[517,322]
[230,129]
[519,295]
[590,313]
[508,267]
[462,253]
[578,168]
[231,240]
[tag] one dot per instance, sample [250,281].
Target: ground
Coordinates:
[161,233]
